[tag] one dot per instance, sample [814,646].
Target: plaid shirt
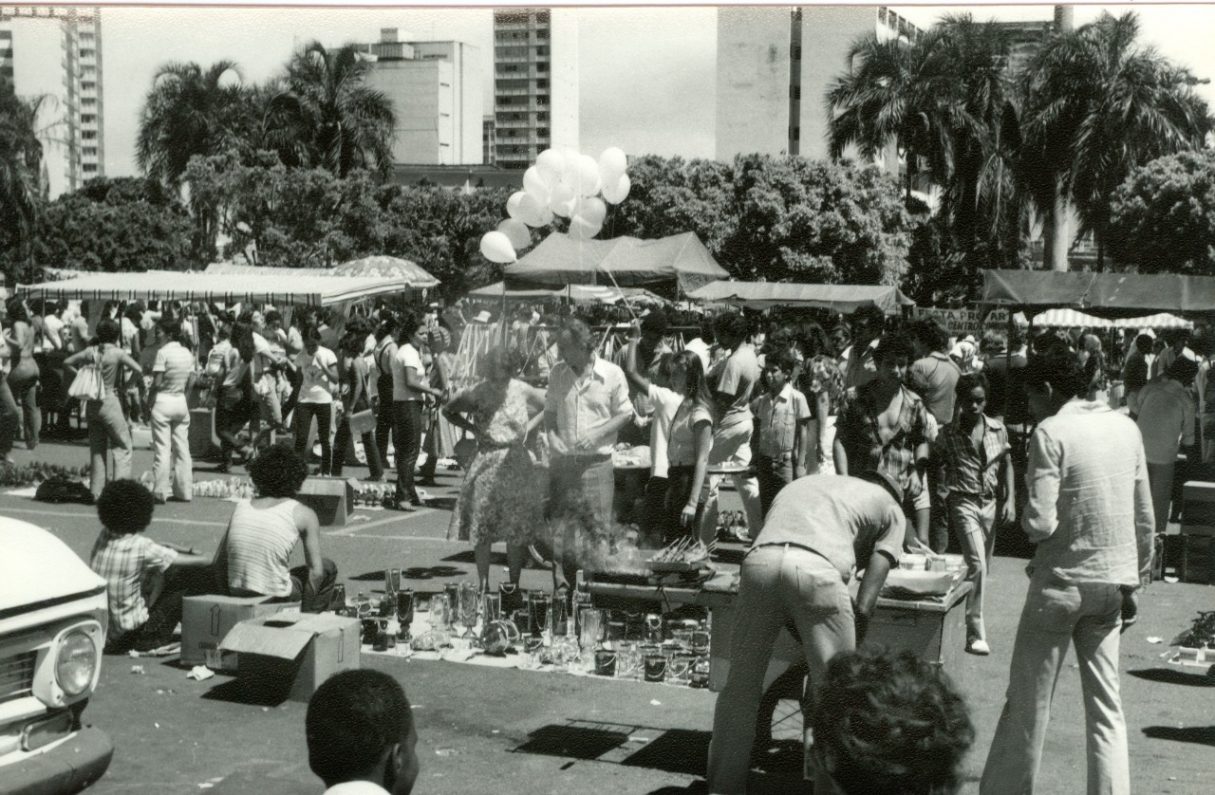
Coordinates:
[123,561]
[967,470]
[872,446]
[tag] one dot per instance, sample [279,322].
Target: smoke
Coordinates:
[594,542]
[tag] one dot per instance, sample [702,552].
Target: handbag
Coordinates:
[362,422]
[88,384]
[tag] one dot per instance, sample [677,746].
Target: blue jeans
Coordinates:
[1058,614]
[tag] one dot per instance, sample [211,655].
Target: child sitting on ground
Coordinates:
[144,607]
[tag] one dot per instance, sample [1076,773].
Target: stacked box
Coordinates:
[1198,533]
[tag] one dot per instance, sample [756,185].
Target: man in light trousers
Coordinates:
[1090,511]
[819,529]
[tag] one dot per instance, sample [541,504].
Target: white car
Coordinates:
[53,620]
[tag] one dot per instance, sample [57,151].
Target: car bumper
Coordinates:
[69,766]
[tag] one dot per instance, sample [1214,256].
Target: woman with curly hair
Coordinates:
[501,496]
[264,531]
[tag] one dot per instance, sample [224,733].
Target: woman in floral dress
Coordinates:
[502,496]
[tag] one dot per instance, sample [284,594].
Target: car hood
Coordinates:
[35,566]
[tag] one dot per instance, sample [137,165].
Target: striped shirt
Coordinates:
[176,363]
[970,469]
[260,541]
[123,560]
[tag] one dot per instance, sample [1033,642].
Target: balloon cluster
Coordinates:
[561,183]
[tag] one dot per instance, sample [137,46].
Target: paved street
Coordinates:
[518,731]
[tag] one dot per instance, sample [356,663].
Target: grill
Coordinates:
[17,676]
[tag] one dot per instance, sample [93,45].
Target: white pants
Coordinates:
[171,443]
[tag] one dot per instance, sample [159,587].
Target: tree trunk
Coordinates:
[1055,245]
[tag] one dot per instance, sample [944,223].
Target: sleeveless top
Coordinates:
[260,542]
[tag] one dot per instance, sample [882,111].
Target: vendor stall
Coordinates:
[576,293]
[1104,294]
[407,274]
[933,628]
[561,260]
[842,298]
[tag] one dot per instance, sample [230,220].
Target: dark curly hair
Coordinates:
[1059,367]
[969,381]
[278,471]
[125,507]
[893,346]
[887,723]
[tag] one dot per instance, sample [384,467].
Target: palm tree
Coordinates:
[22,187]
[190,111]
[1098,105]
[327,116]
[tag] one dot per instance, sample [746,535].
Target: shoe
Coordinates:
[406,506]
[380,479]
[978,646]
[159,500]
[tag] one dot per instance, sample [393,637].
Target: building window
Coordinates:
[542,51]
[543,83]
[541,67]
[90,151]
[795,92]
[542,100]
[89,135]
[796,52]
[90,168]
[542,116]
[542,35]
[542,132]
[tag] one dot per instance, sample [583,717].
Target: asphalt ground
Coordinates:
[495,730]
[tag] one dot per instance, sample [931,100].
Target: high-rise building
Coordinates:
[535,83]
[489,140]
[774,66]
[435,90]
[55,53]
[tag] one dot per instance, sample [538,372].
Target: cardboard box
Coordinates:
[331,498]
[290,656]
[203,440]
[1198,509]
[205,620]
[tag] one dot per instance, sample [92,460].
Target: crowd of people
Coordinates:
[847,447]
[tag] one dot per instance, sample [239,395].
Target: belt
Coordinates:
[592,458]
[788,546]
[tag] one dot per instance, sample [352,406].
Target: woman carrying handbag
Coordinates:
[108,429]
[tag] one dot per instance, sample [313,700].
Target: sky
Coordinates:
[647,75]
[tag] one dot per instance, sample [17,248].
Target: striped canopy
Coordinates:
[1071,318]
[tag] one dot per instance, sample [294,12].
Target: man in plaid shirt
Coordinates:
[976,471]
[134,567]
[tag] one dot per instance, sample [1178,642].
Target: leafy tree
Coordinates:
[1162,219]
[22,188]
[1099,104]
[327,117]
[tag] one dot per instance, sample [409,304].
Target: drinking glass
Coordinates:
[439,612]
[470,598]
[590,624]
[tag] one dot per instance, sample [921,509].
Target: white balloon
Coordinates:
[591,210]
[517,233]
[569,166]
[612,164]
[549,166]
[514,205]
[618,191]
[561,201]
[496,247]
[531,210]
[546,217]
[534,183]
[582,229]
[588,176]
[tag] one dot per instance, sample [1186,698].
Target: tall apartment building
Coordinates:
[435,90]
[535,83]
[774,66]
[56,53]
[489,140]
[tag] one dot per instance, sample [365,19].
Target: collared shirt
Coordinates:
[582,401]
[356,788]
[681,442]
[872,445]
[778,419]
[665,403]
[849,521]
[123,561]
[970,469]
[1166,418]
[860,367]
[1089,507]
[934,378]
[176,363]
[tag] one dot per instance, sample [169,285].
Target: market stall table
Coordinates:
[932,629]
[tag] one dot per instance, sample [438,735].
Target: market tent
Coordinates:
[1071,318]
[578,293]
[226,288]
[624,261]
[1104,293]
[843,298]
[405,273]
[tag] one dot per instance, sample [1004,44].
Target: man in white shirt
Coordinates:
[1166,420]
[52,328]
[408,390]
[361,735]
[586,405]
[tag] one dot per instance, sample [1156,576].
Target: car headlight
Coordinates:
[75,662]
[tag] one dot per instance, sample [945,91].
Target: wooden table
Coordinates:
[932,629]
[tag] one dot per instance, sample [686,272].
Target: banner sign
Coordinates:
[960,322]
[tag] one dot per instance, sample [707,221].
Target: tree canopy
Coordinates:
[1163,216]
